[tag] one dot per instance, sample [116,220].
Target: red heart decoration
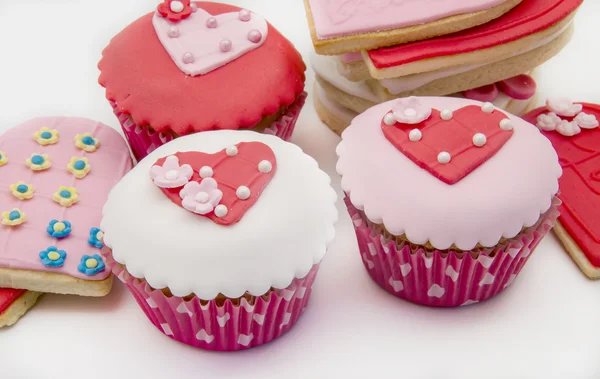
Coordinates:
[230,172]
[8,296]
[579,185]
[454,136]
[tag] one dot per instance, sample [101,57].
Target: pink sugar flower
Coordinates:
[201,198]
[568,129]
[563,107]
[171,174]
[548,122]
[586,121]
[410,111]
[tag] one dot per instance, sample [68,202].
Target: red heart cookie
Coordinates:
[8,296]
[450,145]
[220,186]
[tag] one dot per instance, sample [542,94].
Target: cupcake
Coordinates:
[219,236]
[191,67]
[449,197]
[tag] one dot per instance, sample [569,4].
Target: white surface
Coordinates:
[544,326]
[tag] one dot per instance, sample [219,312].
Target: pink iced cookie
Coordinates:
[54,180]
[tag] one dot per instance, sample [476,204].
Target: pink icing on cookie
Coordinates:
[334,18]
[203,42]
[495,200]
[20,246]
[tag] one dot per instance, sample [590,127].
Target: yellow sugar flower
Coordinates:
[46,136]
[38,162]
[22,191]
[79,167]
[87,142]
[3,158]
[14,217]
[66,196]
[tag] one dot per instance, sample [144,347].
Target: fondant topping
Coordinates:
[498,199]
[280,238]
[8,296]
[580,184]
[334,18]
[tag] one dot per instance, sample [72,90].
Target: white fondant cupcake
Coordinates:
[219,236]
[449,197]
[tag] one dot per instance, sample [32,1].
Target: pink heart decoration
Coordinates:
[521,87]
[451,148]
[202,42]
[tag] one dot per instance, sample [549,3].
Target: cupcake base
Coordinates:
[228,325]
[143,140]
[445,278]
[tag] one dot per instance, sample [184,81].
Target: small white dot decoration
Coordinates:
[479,139]
[173,32]
[188,58]
[206,172]
[444,157]
[245,15]
[415,135]
[243,193]
[506,124]
[211,23]
[265,167]
[176,6]
[232,151]
[446,115]
[221,211]
[389,119]
[487,107]
[225,45]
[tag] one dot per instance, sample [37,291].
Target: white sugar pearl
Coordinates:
[415,135]
[444,157]
[173,32]
[171,175]
[479,139]
[188,58]
[243,192]
[389,119]
[176,6]
[506,124]
[232,151]
[265,167]
[206,172]
[487,107]
[446,115]
[221,211]
[202,197]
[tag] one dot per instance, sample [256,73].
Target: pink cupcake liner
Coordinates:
[144,140]
[226,327]
[445,279]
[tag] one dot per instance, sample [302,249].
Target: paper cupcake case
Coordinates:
[431,278]
[144,140]
[226,327]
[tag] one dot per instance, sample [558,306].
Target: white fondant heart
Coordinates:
[485,260]
[246,305]
[197,48]
[245,340]
[436,291]
[487,279]
[203,336]
[452,273]
[286,320]
[205,307]
[428,261]
[151,303]
[167,329]
[222,320]
[357,222]
[405,269]
[260,319]
[469,302]
[370,264]
[372,249]
[513,252]
[396,285]
[287,295]
[183,309]
[300,292]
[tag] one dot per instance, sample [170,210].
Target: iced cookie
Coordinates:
[55,175]
[191,67]
[14,304]
[573,130]
[466,193]
[331,113]
[340,26]
[223,237]
[530,33]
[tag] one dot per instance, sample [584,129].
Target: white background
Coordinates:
[546,325]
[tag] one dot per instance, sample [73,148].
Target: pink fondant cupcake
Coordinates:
[449,197]
[219,237]
[192,67]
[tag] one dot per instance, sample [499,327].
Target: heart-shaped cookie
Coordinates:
[201,42]
[450,145]
[220,186]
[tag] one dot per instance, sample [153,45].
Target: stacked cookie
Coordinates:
[486,51]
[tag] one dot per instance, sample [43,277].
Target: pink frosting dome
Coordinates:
[509,191]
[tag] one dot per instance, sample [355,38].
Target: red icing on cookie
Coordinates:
[144,82]
[521,87]
[579,157]
[455,137]
[485,93]
[8,296]
[240,166]
[529,17]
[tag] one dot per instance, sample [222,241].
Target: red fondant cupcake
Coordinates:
[190,67]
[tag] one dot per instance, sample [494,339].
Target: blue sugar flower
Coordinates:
[95,239]
[59,229]
[52,257]
[91,265]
